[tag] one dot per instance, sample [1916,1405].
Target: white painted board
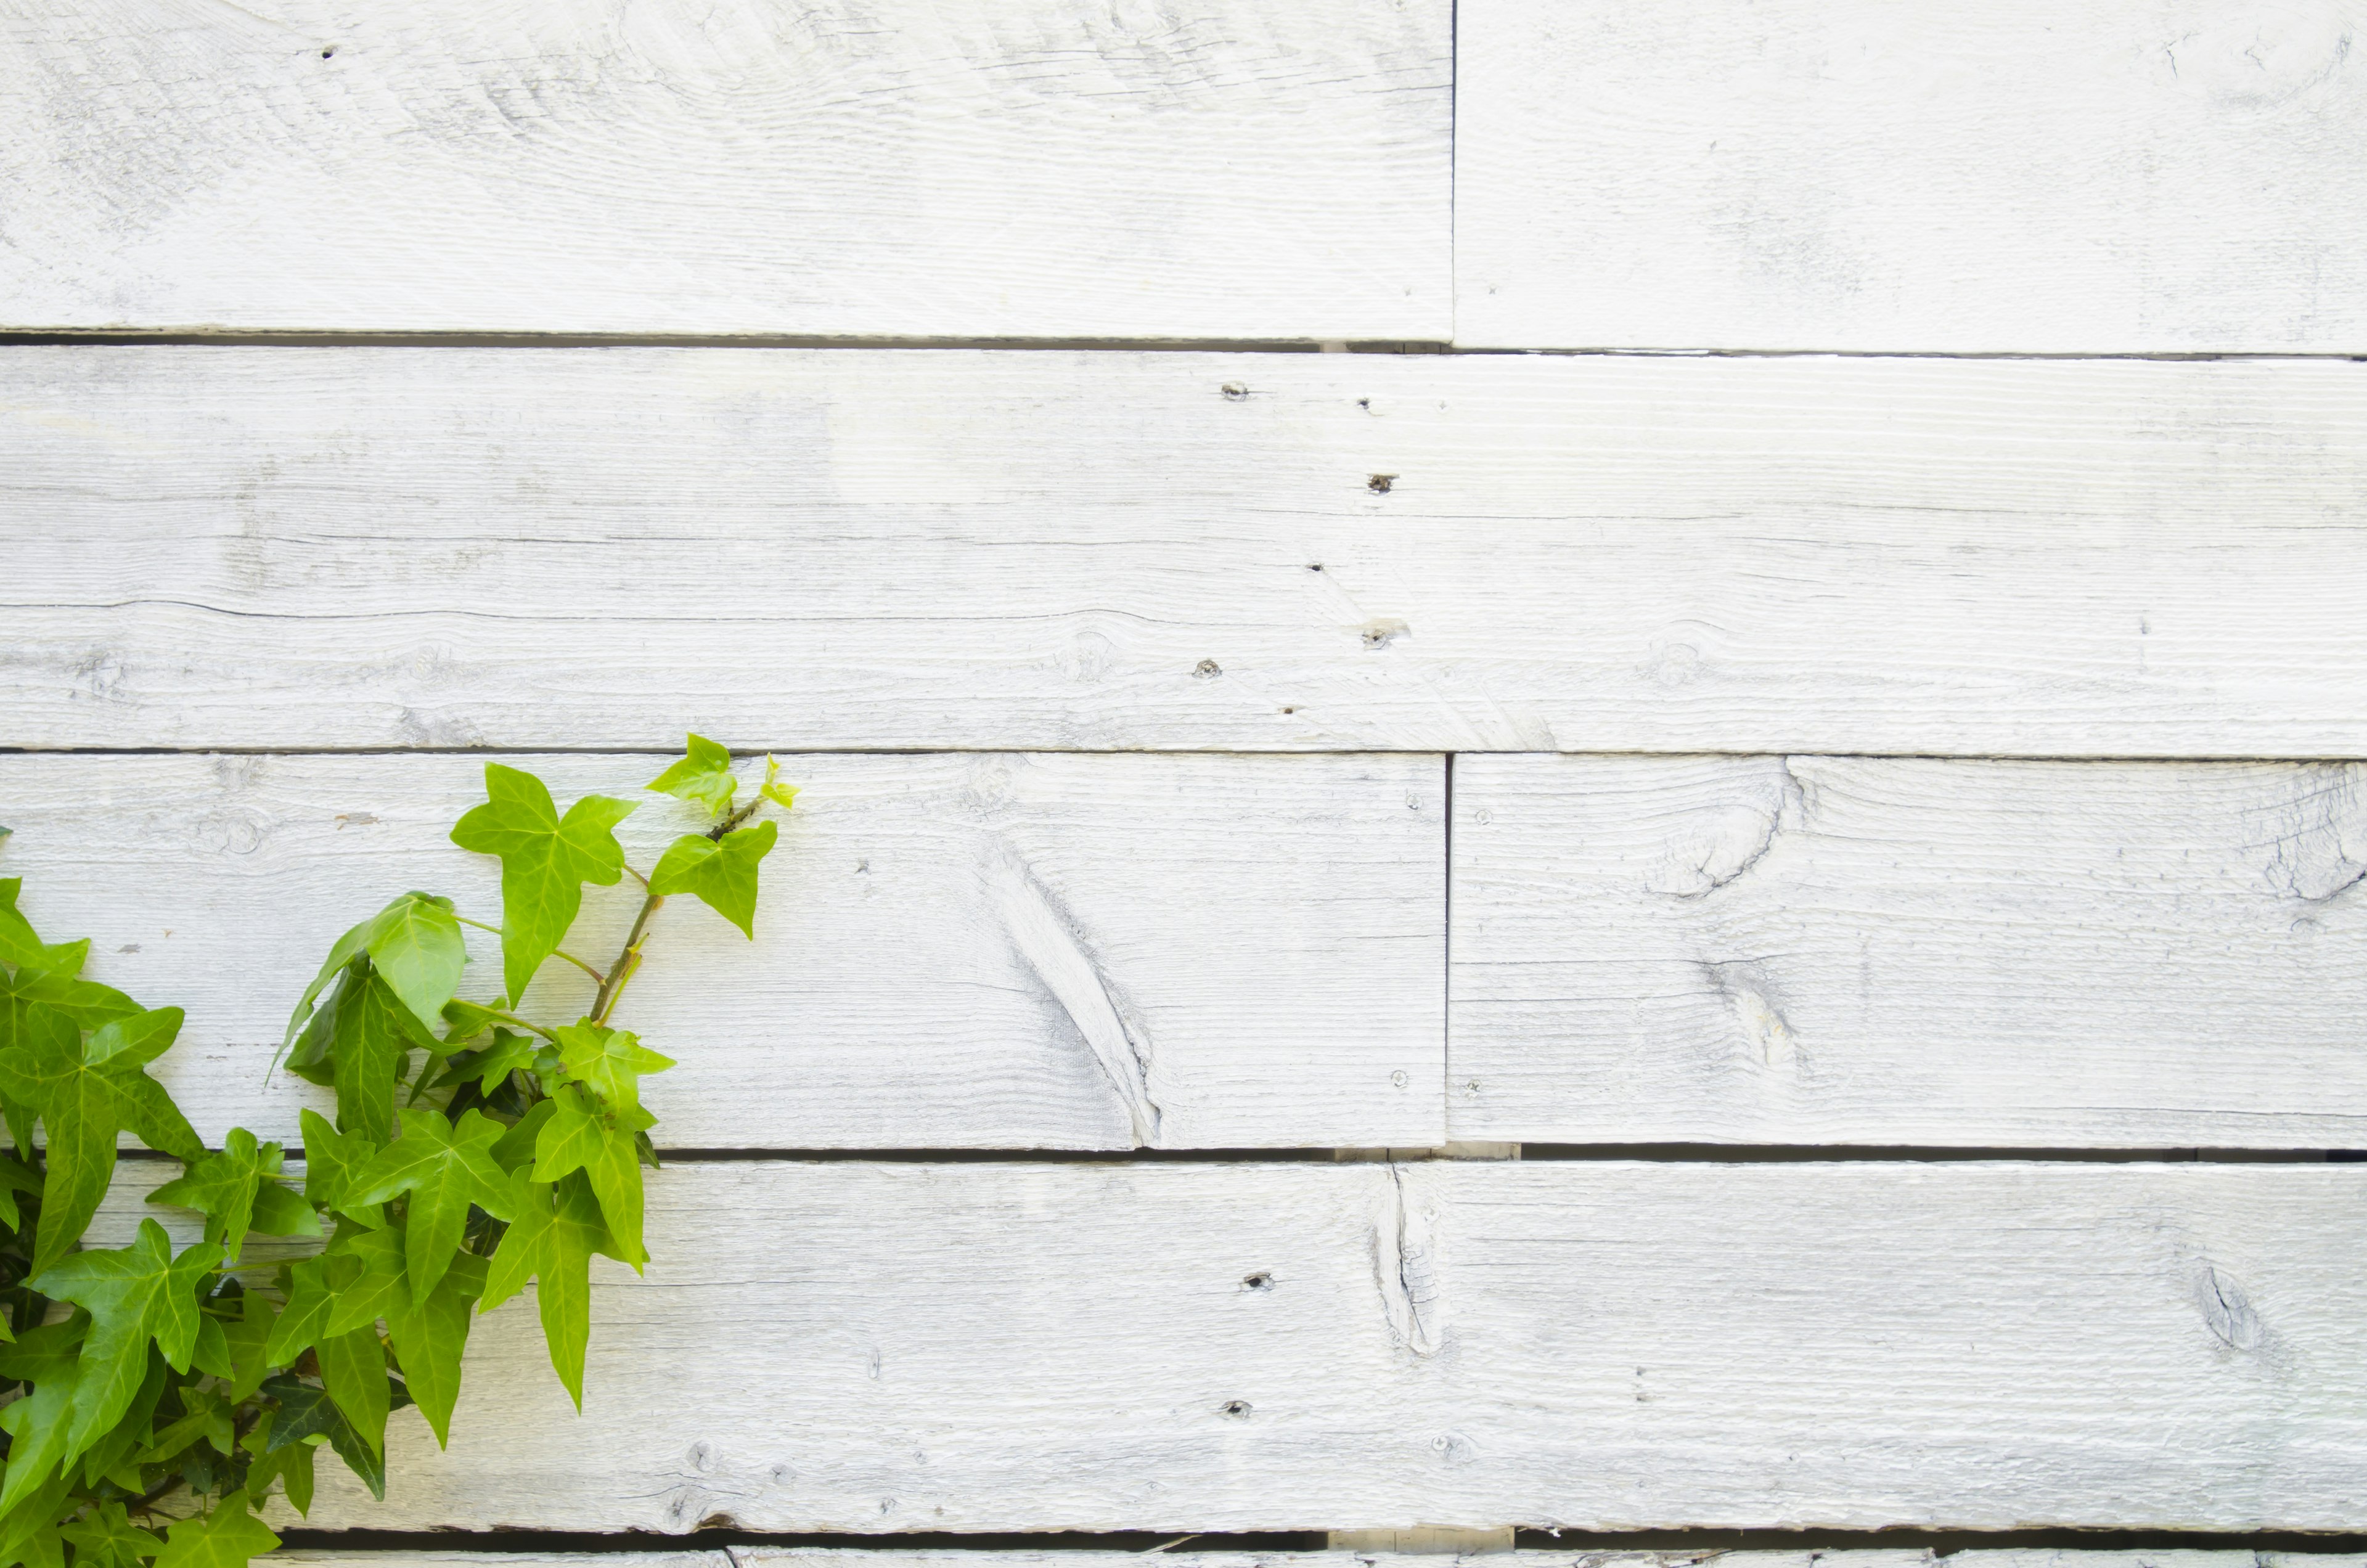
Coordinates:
[860,168]
[269,548]
[1902,952]
[977,950]
[1587,1557]
[846,1345]
[895,1556]
[2030,176]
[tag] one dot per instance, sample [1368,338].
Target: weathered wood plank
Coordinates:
[848,1345]
[261,547]
[890,1557]
[997,168]
[2030,176]
[411,1557]
[982,950]
[1840,950]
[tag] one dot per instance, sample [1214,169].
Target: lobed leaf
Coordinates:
[704,775]
[718,873]
[546,860]
[227,1537]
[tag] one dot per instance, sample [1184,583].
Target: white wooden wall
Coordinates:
[1865,717]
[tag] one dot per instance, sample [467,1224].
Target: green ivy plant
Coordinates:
[473,1150]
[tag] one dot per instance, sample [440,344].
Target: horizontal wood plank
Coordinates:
[2029,176]
[267,548]
[849,1345]
[1864,950]
[866,168]
[1068,1557]
[981,950]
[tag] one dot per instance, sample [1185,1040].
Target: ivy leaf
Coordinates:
[773,789]
[571,1135]
[108,1539]
[86,1092]
[515,1147]
[208,1418]
[298,1327]
[332,1160]
[610,1062]
[366,1274]
[131,1432]
[704,775]
[415,943]
[348,947]
[354,1366]
[15,1177]
[508,1051]
[45,1350]
[445,1167]
[601,1143]
[290,1465]
[227,1537]
[557,1229]
[88,1002]
[40,1429]
[430,1333]
[250,1336]
[19,948]
[225,1187]
[545,861]
[134,1294]
[361,1040]
[721,874]
[310,1412]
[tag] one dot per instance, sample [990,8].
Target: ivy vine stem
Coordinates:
[612,985]
[629,960]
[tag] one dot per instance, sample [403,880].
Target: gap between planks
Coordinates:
[1087,346]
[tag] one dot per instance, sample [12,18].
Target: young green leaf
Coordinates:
[227,1537]
[133,1294]
[332,1160]
[415,943]
[773,789]
[445,1167]
[610,1062]
[108,1539]
[720,872]
[557,1229]
[87,1093]
[224,1187]
[545,861]
[372,1287]
[703,775]
[429,1335]
[507,1053]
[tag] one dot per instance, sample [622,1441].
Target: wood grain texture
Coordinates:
[273,548]
[892,1557]
[863,168]
[1837,950]
[984,951]
[861,1347]
[2030,176]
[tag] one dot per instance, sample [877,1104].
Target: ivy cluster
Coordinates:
[473,1151]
